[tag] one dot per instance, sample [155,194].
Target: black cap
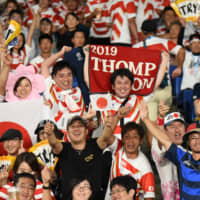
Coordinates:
[76,118]
[196,91]
[11,134]
[149,26]
[42,124]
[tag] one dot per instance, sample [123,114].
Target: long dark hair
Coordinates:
[21,48]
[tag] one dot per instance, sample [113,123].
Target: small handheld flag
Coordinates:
[188,9]
[14,29]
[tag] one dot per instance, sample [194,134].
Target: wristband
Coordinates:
[46,188]
[160,121]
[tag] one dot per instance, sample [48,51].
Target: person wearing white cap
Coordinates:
[191,72]
[187,162]
[174,127]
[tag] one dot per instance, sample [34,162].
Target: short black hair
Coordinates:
[133,126]
[12,1]
[128,182]
[167,9]
[59,66]
[45,19]
[79,30]
[73,14]
[149,26]
[121,72]
[18,11]
[23,175]
[45,36]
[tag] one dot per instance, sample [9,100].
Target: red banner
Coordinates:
[143,63]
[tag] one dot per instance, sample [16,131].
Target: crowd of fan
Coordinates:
[100,155]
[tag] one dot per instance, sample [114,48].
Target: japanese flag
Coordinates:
[101,101]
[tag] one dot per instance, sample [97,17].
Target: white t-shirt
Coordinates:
[167,172]
[191,71]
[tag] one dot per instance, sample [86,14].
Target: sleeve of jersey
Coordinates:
[174,154]
[173,48]
[115,146]
[130,9]
[148,185]
[87,10]
[3,193]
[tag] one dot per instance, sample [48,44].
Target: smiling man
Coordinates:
[80,157]
[128,159]
[122,82]
[65,101]
[12,141]
[187,162]
[26,184]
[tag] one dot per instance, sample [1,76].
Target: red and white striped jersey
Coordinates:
[156,43]
[121,11]
[38,194]
[99,28]
[139,168]
[134,115]
[21,58]
[146,9]
[37,62]
[64,104]
[50,14]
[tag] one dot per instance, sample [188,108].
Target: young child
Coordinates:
[71,25]
[45,45]
[22,51]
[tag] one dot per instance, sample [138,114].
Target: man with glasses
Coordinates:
[26,184]
[123,188]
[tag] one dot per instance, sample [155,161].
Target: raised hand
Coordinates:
[123,111]
[46,176]
[65,49]
[49,128]
[163,109]
[4,176]
[143,110]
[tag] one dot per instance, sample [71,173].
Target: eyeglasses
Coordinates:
[117,191]
[83,187]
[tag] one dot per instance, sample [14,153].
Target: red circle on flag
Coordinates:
[4,126]
[175,114]
[102,102]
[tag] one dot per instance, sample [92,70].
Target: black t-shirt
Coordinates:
[88,162]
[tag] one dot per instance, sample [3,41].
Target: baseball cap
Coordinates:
[174,116]
[42,124]
[192,128]
[196,91]
[11,134]
[76,118]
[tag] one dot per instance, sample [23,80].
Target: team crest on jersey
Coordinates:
[89,158]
